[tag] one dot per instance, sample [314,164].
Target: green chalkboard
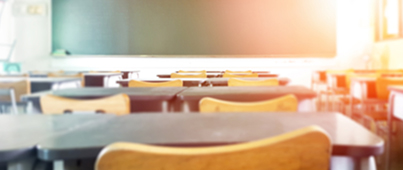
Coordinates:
[195,27]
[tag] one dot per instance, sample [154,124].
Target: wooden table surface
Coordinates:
[192,95]
[141,98]
[348,137]
[19,134]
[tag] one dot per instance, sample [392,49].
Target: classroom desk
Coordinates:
[142,99]
[19,134]
[46,83]
[187,82]
[101,79]
[130,74]
[224,81]
[209,75]
[188,100]
[49,83]
[395,118]
[348,138]
[363,87]
[211,71]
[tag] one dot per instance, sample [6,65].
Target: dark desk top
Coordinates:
[102,74]
[348,137]
[39,79]
[209,75]
[187,82]
[246,93]
[199,80]
[211,71]
[20,133]
[144,93]
[224,81]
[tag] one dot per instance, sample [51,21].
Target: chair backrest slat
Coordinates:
[303,149]
[118,104]
[287,103]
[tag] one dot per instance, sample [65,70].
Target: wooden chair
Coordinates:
[238,72]
[374,112]
[118,104]
[174,83]
[382,84]
[178,75]
[229,75]
[16,90]
[287,103]
[307,148]
[240,82]
[202,71]
[20,88]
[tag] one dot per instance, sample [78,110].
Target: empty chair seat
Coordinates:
[287,103]
[240,82]
[178,75]
[304,149]
[118,104]
[174,83]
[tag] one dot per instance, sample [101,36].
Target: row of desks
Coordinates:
[219,75]
[181,99]
[191,82]
[64,137]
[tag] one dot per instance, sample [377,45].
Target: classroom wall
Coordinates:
[354,36]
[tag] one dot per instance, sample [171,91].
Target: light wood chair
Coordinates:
[202,71]
[12,92]
[118,104]
[238,72]
[382,84]
[307,148]
[174,83]
[287,103]
[240,82]
[20,88]
[239,75]
[178,75]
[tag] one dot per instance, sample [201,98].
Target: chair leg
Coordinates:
[13,101]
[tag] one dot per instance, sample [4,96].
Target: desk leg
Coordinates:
[367,163]
[185,107]
[21,164]
[350,163]
[58,165]
[164,106]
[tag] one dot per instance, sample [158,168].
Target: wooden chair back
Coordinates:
[174,83]
[307,148]
[240,82]
[202,71]
[287,103]
[238,75]
[21,87]
[238,72]
[118,104]
[382,84]
[178,75]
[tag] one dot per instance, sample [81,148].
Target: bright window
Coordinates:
[7,36]
[389,19]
